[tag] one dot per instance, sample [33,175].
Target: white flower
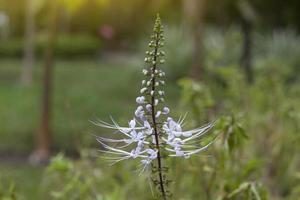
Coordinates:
[149,107]
[152,154]
[132,123]
[158,114]
[143,90]
[165,110]
[180,143]
[131,134]
[141,100]
[140,113]
[148,129]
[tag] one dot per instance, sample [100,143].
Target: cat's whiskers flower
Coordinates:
[152,135]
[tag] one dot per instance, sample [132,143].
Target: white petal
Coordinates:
[158,114]
[166,110]
[148,107]
[132,123]
[199,132]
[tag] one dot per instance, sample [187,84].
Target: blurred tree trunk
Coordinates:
[194,18]
[247,51]
[43,147]
[29,57]
[248,18]
[65,21]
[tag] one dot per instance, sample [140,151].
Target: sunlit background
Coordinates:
[65,63]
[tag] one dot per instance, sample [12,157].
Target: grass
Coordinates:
[25,178]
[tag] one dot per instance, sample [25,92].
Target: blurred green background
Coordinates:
[64,63]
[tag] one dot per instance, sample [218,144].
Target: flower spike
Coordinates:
[152,135]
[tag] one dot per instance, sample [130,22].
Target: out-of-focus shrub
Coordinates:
[11,48]
[268,110]
[197,97]
[75,46]
[90,178]
[7,190]
[179,51]
[222,48]
[278,53]
[66,46]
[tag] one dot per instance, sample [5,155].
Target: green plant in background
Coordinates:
[222,48]
[71,46]
[7,191]
[179,47]
[267,110]
[231,174]
[196,97]
[66,46]
[74,182]
[11,48]
[84,179]
[246,190]
[279,50]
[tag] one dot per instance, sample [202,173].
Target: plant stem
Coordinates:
[156,133]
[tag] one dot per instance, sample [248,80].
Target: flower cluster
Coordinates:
[140,133]
[152,133]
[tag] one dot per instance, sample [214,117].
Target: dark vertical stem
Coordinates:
[159,162]
[247,47]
